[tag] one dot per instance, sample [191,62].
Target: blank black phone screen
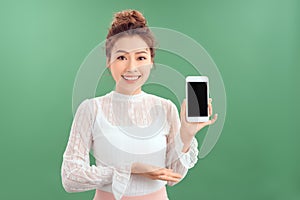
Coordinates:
[197,99]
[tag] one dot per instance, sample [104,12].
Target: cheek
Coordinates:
[145,70]
[116,71]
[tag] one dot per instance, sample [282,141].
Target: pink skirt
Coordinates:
[161,194]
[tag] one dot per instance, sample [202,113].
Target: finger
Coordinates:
[162,171]
[170,173]
[175,175]
[210,109]
[210,106]
[213,120]
[165,174]
[168,178]
[210,122]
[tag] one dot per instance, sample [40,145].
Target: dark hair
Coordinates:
[129,23]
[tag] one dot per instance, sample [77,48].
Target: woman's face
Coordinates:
[130,64]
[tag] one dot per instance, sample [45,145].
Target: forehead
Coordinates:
[129,44]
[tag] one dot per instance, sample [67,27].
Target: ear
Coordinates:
[152,63]
[107,63]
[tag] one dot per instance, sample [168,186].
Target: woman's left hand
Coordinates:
[190,129]
[154,172]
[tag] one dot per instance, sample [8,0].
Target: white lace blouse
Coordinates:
[119,130]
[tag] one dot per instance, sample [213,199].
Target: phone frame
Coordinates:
[196,79]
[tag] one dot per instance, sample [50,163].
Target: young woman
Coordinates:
[138,140]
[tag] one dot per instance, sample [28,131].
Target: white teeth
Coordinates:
[131,78]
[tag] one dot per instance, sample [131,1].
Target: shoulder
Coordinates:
[156,98]
[171,111]
[97,101]
[167,103]
[102,97]
[92,104]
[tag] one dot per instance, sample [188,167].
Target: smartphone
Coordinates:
[197,94]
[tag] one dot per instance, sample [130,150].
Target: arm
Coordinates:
[182,150]
[77,174]
[180,156]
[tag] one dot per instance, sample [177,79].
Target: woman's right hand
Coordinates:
[155,173]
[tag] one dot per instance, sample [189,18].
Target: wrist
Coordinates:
[186,136]
[186,139]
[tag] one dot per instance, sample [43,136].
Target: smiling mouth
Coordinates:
[131,78]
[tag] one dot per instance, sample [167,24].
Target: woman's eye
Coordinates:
[121,58]
[142,58]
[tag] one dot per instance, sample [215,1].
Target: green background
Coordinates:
[255,45]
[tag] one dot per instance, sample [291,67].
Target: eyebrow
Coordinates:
[123,51]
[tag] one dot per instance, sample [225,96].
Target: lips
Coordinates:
[131,77]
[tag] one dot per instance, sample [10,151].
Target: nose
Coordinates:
[132,64]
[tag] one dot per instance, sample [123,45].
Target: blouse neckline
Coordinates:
[121,96]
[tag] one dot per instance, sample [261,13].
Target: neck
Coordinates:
[128,92]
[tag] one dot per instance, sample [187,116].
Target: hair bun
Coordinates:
[129,18]
[129,23]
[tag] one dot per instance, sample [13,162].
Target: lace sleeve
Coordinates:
[76,172]
[177,160]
